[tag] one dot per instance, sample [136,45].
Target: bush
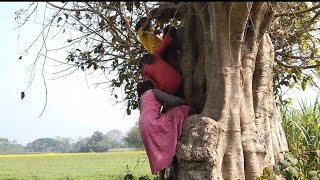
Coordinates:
[302,128]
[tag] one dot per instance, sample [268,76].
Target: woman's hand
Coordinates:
[188,102]
[146,25]
[152,13]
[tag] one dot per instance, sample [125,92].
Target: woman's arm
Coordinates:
[167,40]
[167,99]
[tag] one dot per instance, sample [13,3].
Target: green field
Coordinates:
[84,166]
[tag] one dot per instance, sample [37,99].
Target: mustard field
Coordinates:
[72,166]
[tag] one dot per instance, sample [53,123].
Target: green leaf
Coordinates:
[59,19]
[314,178]
[303,84]
[312,173]
[313,62]
[137,4]
[22,95]
[298,73]
[66,15]
[129,6]
[89,65]
[277,168]
[285,163]
[294,171]
[77,13]
[269,169]
[293,161]
[95,66]
[174,22]
[318,73]
[291,85]
[128,111]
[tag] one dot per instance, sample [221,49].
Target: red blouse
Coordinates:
[163,76]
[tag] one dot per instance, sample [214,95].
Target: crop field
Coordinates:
[72,166]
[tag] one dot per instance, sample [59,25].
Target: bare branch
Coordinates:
[44,38]
[64,75]
[67,9]
[27,16]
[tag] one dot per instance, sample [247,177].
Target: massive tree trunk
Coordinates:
[226,61]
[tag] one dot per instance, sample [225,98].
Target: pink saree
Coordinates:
[160,132]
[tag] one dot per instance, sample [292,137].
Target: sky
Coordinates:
[75,108]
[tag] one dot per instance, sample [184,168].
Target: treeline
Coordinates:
[97,142]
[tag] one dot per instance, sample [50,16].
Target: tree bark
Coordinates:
[226,62]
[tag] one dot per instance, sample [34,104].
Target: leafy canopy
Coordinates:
[106,41]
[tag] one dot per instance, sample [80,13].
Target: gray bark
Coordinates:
[226,63]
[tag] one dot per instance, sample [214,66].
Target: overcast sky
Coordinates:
[74,108]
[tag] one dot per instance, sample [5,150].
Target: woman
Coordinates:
[154,68]
[160,132]
[146,35]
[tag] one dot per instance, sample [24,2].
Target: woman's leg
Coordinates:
[162,172]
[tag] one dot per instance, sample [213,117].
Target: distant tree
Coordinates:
[103,145]
[96,143]
[116,138]
[97,136]
[44,145]
[65,144]
[8,147]
[4,141]
[80,145]
[133,138]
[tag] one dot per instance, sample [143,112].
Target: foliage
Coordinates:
[65,144]
[130,176]
[106,35]
[295,167]
[133,137]
[7,147]
[105,40]
[97,142]
[116,138]
[44,145]
[295,36]
[302,129]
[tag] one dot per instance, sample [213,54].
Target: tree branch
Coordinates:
[167,11]
[295,57]
[27,18]
[68,9]
[297,67]
[303,29]
[297,13]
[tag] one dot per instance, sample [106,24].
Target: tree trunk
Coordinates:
[226,62]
